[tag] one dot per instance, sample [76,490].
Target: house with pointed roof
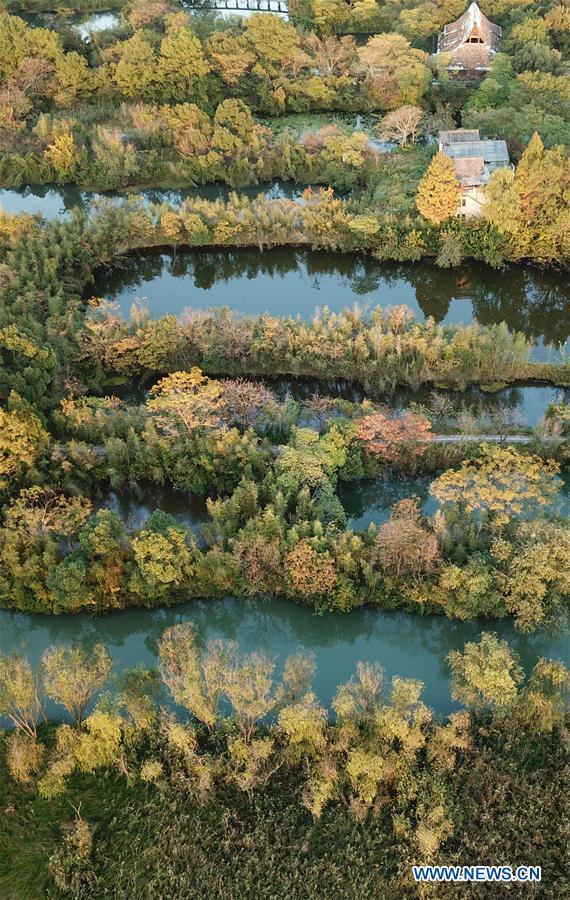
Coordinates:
[474,161]
[470,43]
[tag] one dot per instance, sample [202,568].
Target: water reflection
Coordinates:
[526,403]
[51,202]
[368,501]
[293,282]
[406,645]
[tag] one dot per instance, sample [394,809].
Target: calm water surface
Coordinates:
[51,201]
[406,645]
[289,282]
[85,24]
[370,500]
[524,404]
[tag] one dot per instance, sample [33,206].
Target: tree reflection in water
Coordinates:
[296,282]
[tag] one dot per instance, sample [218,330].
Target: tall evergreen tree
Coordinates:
[439,194]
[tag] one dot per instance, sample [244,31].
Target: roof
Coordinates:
[472,22]
[460,135]
[474,160]
[457,39]
[491,151]
[470,167]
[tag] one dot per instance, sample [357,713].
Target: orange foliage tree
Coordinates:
[392,439]
[307,572]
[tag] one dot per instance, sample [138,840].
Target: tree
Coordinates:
[272,39]
[309,573]
[234,128]
[501,485]
[196,680]
[189,399]
[397,73]
[534,572]
[19,694]
[73,676]
[22,441]
[404,545]
[181,65]
[391,440]
[163,558]
[402,125]
[439,193]
[359,699]
[135,72]
[73,79]
[532,206]
[63,156]
[304,726]
[543,704]
[250,687]
[244,401]
[485,675]
[231,54]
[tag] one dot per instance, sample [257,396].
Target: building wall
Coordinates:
[472,201]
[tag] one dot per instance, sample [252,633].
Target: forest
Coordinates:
[365,467]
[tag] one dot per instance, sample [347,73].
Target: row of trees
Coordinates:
[419,22]
[385,755]
[150,144]
[265,61]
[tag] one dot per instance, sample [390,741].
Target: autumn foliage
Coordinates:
[393,440]
[307,572]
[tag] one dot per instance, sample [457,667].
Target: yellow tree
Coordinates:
[64,157]
[439,193]
[189,399]
[22,441]
[501,485]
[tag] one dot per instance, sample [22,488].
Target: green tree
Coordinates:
[163,559]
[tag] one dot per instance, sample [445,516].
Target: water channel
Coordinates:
[411,646]
[52,201]
[287,281]
[293,282]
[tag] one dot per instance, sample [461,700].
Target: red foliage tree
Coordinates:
[394,439]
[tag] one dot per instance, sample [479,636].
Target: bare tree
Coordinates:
[404,125]
[243,401]
[405,546]
[320,407]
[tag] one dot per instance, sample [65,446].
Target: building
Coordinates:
[474,162]
[470,42]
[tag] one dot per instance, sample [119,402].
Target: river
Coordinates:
[411,646]
[52,201]
[293,282]
[286,281]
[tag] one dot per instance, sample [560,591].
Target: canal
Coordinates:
[293,282]
[406,645]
